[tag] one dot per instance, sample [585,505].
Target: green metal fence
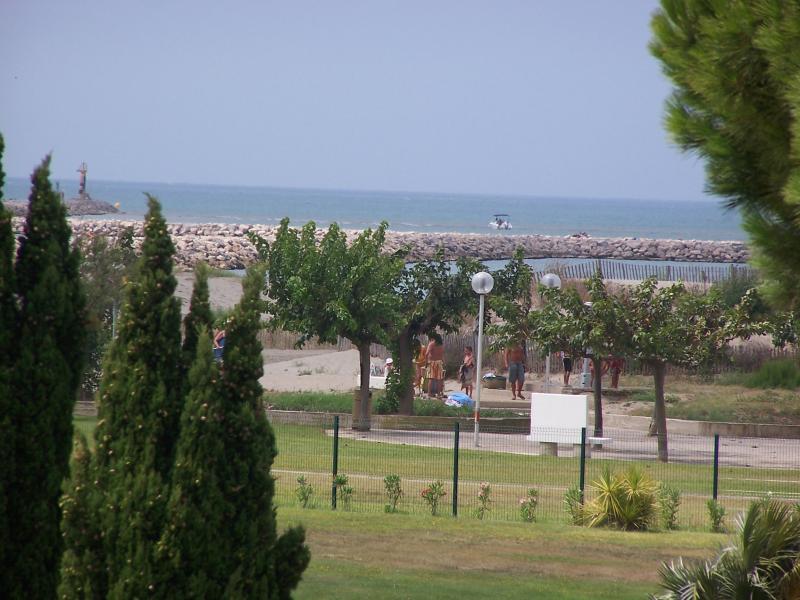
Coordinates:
[320,447]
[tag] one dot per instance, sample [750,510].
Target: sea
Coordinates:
[704,219]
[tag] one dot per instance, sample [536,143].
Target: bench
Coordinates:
[596,443]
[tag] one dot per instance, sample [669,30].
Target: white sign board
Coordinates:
[558,418]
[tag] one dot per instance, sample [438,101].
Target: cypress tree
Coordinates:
[221,541]
[7,328]
[47,366]
[139,410]
[199,315]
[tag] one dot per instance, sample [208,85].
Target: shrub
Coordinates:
[528,504]
[782,373]
[573,502]
[304,491]
[432,494]
[625,500]
[343,491]
[389,402]
[716,514]
[484,499]
[669,499]
[393,491]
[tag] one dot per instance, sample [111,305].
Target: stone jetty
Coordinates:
[226,246]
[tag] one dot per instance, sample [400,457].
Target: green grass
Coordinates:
[783,374]
[401,556]
[86,426]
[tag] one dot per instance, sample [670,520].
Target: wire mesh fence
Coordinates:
[442,470]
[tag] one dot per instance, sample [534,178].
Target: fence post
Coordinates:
[335,469]
[716,466]
[456,428]
[582,480]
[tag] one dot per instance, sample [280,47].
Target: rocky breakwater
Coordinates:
[227,246]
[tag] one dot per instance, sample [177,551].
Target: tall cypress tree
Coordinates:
[199,315]
[221,541]
[7,327]
[140,400]
[47,365]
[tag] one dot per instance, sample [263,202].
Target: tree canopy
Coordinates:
[735,66]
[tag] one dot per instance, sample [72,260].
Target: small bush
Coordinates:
[573,503]
[716,514]
[484,499]
[310,401]
[393,491]
[528,505]
[782,373]
[669,499]
[343,491]
[389,402]
[304,491]
[432,494]
[625,500]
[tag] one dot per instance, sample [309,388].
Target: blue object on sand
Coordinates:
[461,398]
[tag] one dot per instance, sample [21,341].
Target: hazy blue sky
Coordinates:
[536,97]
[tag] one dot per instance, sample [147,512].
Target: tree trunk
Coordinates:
[363,390]
[660,411]
[598,396]
[407,372]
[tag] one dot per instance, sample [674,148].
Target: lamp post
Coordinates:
[482,284]
[553,281]
[585,375]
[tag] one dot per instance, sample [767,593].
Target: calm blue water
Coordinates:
[406,211]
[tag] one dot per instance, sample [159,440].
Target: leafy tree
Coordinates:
[138,416]
[434,298]
[670,325]
[47,366]
[763,561]
[199,315]
[332,288]
[735,67]
[512,302]
[566,324]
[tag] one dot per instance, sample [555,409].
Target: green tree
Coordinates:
[138,417]
[199,315]
[735,66]
[47,366]
[8,320]
[671,326]
[762,561]
[333,288]
[434,298]
[594,329]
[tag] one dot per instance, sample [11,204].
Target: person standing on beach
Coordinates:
[435,361]
[514,359]
[615,366]
[466,372]
[419,363]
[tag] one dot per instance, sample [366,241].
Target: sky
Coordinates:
[530,97]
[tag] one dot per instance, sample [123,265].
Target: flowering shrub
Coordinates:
[344,491]
[432,494]
[304,491]
[528,504]
[393,492]
[484,499]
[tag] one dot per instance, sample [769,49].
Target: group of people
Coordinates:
[429,363]
[615,364]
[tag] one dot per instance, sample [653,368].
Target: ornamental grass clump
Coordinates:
[393,492]
[573,504]
[528,505]
[484,499]
[432,494]
[623,500]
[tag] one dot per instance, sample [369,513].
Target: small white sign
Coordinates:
[558,418]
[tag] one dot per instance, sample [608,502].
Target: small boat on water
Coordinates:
[500,221]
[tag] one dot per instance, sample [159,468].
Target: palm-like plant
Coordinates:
[763,562]
[625,500]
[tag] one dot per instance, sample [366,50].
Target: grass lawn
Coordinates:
[413,556]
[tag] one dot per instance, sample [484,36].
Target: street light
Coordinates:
[585,375]
[552,281]
[482,284]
